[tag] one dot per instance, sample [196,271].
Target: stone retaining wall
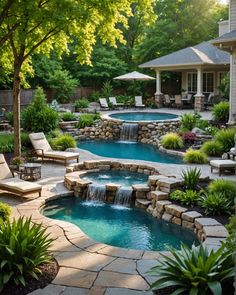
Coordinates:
[149,132]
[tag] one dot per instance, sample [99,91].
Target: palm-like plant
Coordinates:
[195,271]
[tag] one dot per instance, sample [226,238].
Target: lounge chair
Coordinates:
[43,150]
[139,102]
[103,104]
[114,103]
[223,166]
[15,185]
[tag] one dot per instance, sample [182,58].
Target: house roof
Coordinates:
[202,54]
[228,37]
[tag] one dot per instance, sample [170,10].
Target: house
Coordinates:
[227,42]
[202,69]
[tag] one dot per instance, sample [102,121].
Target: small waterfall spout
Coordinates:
[129,132]
[123,196]
[96,192]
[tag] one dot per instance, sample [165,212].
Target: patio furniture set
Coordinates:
[114,104]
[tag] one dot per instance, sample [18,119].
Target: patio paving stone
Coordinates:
[83,260]
[83,242]
[75,291]
[122,291]
[73,277]
[62,244]
[122,265]
[121,252]
[49,290]
[114,279]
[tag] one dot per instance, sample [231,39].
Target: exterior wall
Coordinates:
[232,15]
[223,27]
[232,118]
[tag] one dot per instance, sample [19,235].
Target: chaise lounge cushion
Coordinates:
[223,163]
[40,142]
[19,185]
[60,155]
[5,172]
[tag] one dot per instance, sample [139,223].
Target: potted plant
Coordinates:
[16,162]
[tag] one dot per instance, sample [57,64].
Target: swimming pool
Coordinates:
[128,150]
[124,178]
[120,226]
[143,116]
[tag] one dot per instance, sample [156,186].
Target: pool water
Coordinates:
[124,178]
[120,226]
[128,150]
[143,116]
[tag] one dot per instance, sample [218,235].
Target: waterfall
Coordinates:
[123,196]
[129,132]
[96,192]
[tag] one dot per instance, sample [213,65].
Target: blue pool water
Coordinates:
[124,178]
[143,116]
[119,226]
[128,150]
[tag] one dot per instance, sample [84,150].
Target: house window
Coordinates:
[192,82]
[222,77]
[208,82]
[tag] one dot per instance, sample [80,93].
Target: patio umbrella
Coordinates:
[134,76]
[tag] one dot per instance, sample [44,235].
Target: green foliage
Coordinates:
[220,111]
[188,121]
[68,116]
[226,138]
[38,116]
[63,85]
[24,246]
[125,99]
[81,103]
[194,271]
[224,187]
[172,141]
[9,117]
[231,226]
[211,130]
[191,178]
[107,89]
[5,212]
[215,203]
[87,120]
[224,87]
[7,142]
[202,124]
[212,148]
[189,197]
[63,142]
[195,156]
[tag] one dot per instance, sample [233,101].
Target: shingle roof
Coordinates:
[231,36]
[203,53]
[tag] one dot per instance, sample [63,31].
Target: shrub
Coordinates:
[24,246]
[68,116]
[226,138]
[215,204]
[7,142]
[86,120]
[211,130]
[189,137]
[172,141]
[107,89]
[191,178]
[189,197]
[195,156]
[9,117]
[82,103]
[212,148]
[189,120]
[94,96]
[231,226]
[194,270]
[220,111]
[38,116]
[64,142]
[224,187]
[5,212]
[203,124]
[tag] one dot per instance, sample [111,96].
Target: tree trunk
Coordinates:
[16,109]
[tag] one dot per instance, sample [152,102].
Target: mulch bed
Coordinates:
[49,272]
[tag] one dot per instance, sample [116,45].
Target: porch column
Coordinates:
[232,95]
[199,97]
[158,94]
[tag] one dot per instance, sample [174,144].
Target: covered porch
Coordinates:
[202,68]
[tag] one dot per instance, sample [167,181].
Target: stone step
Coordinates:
[142,203]
[158,195]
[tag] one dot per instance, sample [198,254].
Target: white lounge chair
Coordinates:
[114,103]
[139,102]
[15,185]
[103,104]
[223,165]
[43,149]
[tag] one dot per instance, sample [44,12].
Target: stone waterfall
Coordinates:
[96,192]
[123,196]
[129,132]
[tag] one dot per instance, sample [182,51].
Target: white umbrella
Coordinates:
[134,76]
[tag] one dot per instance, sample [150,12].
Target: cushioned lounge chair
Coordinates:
[114,103]
[15,185]
[139,102]
[223,166]
[43,149]
[103,104]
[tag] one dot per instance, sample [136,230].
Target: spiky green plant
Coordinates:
[215,204]
[191,178]
[172,141]
[224,187]
[195,156]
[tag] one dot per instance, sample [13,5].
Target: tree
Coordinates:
[38,26]
[180,24]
